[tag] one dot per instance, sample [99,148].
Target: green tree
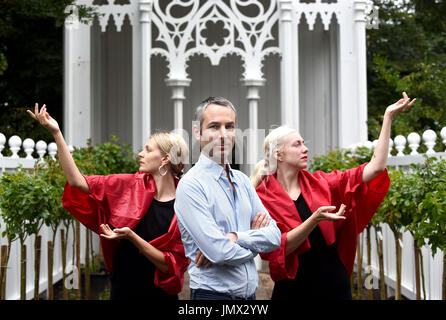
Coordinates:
[31,61]
[408,52]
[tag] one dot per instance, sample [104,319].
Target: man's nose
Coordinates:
[223,132]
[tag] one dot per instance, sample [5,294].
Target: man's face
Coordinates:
[218,133]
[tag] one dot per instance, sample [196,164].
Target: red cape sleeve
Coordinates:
[362,200]
[83,207]
[172,247]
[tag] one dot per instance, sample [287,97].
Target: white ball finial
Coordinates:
[28,146]
[429,137]
[368,145]
[400,144]
[414,142]
[41,148]
[442,134]
[390,146]
[375,143]
[14,145]
[2,143]
[52,150]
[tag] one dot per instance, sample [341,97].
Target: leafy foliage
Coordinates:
[340,159]
[24,203]
[31,61]
[431,227]
[107,158]
[407,53]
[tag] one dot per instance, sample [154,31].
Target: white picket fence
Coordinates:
[433,266]
[11,164]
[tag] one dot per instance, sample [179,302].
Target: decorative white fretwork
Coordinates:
[180,38]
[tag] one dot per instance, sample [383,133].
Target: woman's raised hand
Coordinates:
[44,118]
[401,105]
[323,213]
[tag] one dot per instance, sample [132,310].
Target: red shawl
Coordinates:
[323,189]
[122,200]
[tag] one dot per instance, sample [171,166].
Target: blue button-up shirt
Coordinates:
[207,209]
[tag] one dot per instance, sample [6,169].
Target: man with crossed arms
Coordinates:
[222,221]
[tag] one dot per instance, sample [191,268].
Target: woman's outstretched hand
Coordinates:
[115,234]
[323,213]
[401,105]
[44,118]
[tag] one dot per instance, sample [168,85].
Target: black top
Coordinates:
[320,274]
[132,276]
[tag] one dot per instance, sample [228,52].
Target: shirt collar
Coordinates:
[215,169]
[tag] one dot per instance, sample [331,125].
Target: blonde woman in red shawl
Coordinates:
[320,215]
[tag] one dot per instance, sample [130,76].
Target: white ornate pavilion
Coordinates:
[145,65]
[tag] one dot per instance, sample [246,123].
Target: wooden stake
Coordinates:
[3,268]
[37,251]
[63,244]
[50,270]
[78,257]
[359,269]
[87,264]
[22,270]
[382,279]
[417,269]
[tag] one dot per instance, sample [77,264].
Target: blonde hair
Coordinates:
[274,141]
[174,145]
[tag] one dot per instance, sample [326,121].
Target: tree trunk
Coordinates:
[398,237]
[359,269]
[78,257]
[37,251]
[422,274]
[416,251]
[382,279]
[87,264]
[50,270]
[22,270]
[369,261]
[3,268]
[63,244]
[93,262]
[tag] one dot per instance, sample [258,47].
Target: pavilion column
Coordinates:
[178,97]
[70,25]
[288,43]
[253,97]
[361,67]
[348,102]
[145,7]
[77,77]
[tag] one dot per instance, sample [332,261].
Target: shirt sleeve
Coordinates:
[194,214]
[261,240]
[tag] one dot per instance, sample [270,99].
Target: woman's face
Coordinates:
[150,158]
[294,152]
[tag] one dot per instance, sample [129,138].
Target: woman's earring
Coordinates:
[159,170]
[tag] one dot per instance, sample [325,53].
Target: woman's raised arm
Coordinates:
[72,173]
[378,162]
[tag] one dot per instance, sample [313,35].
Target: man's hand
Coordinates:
[260,220]
[201,260]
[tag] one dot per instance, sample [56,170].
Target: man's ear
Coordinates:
[196,131]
